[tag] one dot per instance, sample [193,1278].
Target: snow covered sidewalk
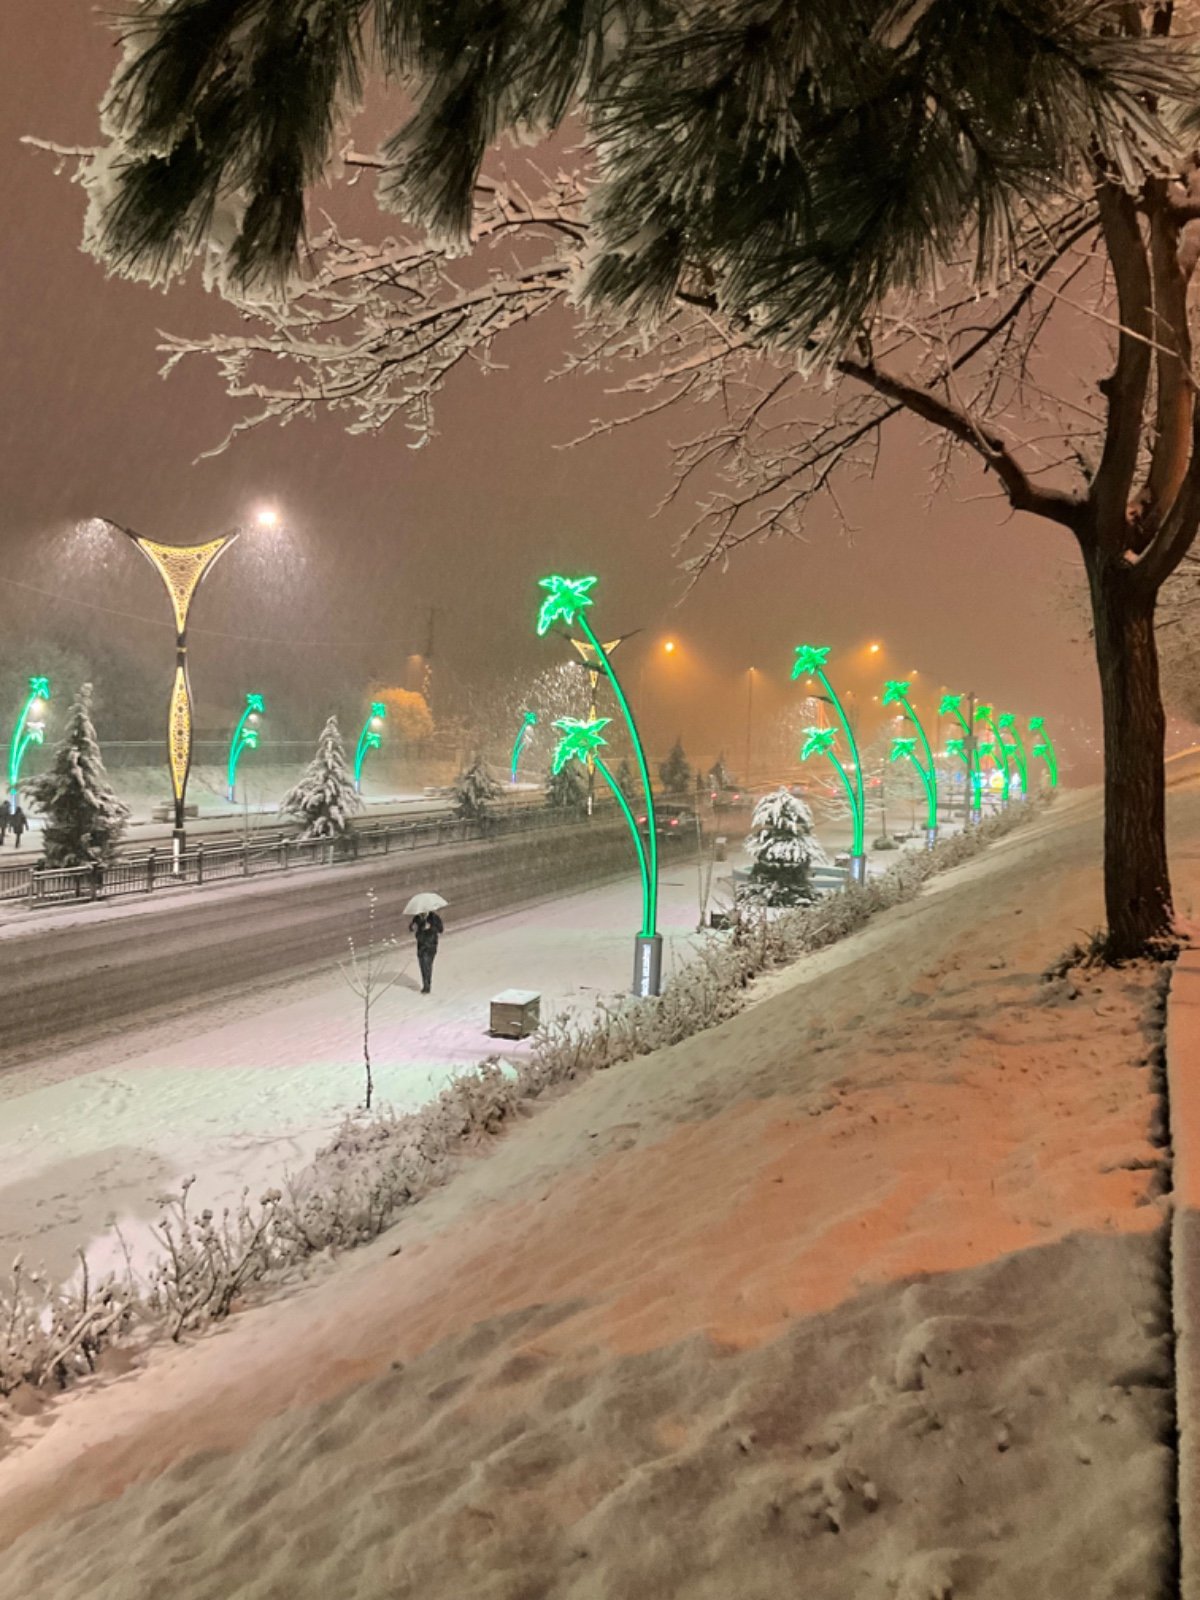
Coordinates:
[860,1294]
[239,1091]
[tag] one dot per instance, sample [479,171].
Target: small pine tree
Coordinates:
[567,790]
[720,776]
[475,790]
[84,818]
[784,849]
[324,800]
[627,780]
[675,773]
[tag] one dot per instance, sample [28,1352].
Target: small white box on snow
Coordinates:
[515,1013]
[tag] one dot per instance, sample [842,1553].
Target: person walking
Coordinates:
[18,822]
[5,819]
[428,927]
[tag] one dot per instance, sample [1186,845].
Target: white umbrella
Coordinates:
[423,902]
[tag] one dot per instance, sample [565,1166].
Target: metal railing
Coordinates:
[156,869]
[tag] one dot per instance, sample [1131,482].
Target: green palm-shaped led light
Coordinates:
[901,748]
[566,600]
[810,663]
[527,721]
[1015,747]
[370,738]
[997,749]
[895,693]
[580,740]
[30,729]
[1044,749]
[245,737]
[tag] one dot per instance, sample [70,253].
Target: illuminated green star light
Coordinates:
[565,599]
[580,740]
[1044,749]
[949,706]
[903,747]
[895,692]
[956,747]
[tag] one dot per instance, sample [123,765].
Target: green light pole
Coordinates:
[581,741]
[1016,749]
[566,601]
[245,737]
[370,738]
[895,693]
[30,729]
[527,721]
[906,749]
[1044,749]
[951,706]
[810,663]
[998,750]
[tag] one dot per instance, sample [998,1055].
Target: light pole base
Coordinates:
[930,838]
[976,818]
[647,964]
[178,844]
[858,869]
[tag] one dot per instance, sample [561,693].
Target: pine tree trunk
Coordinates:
[1137,887]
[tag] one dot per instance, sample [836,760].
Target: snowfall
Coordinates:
[858,1296]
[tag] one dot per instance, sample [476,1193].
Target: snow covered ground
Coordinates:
[241,1090]
[859,1294]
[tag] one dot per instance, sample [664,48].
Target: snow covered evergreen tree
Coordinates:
[566,790]
[325,799]
[627,779]
[720,776]
[675,773]
[84,818]
[475,790]
[784,849]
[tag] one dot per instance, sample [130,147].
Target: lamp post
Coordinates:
[245,737]
[749,721]
[181,567]
[567,600]
[370,738]
[30,729]
[594,670]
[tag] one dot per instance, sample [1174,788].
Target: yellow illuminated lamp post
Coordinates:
[587,655]
[181,567]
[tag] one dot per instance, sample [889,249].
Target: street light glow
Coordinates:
[266,517]
[669,648]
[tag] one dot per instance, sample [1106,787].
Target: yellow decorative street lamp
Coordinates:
[181,568]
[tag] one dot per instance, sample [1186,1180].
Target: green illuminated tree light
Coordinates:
[895,693]
[245,737]
[996,749]
[522,739]
[810,663]
[30,728]
[370,738]
[1015,748]
[566,601]
[1044,749]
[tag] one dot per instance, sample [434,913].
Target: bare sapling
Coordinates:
[366,978]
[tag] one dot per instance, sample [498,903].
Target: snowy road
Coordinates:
[239,1090]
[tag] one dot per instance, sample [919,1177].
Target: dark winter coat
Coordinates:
[5,817]
[18,821]
[427,926]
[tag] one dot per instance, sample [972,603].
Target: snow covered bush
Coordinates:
[784,850]
[475,790]
[51,1336]
[325,798]
[84,820]
[566,789]
[675,773]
